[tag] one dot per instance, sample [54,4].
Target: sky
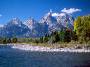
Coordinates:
[24,9]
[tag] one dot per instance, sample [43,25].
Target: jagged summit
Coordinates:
[51,21]
[14,22]
[30,22]
[57,21]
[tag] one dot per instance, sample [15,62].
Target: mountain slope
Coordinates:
[14,28]
[31,28]
[58,21]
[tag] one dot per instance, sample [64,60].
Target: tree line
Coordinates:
[80,34]
[8,40]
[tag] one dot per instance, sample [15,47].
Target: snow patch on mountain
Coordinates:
[31,28]
[30,22]
[1,26]
[58,14]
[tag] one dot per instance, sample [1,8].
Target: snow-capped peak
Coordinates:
[62,14]
[16,21]
[51,21]
[58,14]
[50,12]
[1,26]
[30,22]
[55,14]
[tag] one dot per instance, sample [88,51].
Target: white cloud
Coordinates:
[71,10]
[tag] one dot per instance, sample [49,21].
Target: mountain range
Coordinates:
[31,28]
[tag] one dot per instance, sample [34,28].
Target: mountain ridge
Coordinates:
[31,28]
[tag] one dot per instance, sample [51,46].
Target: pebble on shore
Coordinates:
[48,49]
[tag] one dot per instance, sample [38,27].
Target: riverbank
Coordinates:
[28,47]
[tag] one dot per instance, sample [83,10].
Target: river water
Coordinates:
[10,57]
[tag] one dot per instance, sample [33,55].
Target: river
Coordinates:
[10,57]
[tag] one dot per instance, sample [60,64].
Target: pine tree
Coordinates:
[14,40]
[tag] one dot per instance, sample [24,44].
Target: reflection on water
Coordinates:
[16,58]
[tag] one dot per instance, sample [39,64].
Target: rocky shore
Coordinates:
[28,47]
[48,49]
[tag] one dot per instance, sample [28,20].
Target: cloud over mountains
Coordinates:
[71,10]
[68,11]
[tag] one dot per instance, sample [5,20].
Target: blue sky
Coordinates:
[24,9]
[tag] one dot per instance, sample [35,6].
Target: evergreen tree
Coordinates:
[4,41]
[8,40]
[67,37]
[14,40]
[57,37]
